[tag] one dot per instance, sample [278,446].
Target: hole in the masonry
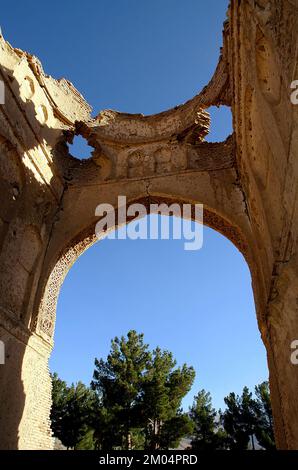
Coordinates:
[79,148]
[221,123]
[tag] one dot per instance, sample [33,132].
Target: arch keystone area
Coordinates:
[247,184]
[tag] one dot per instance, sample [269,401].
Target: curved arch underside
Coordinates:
[45,321]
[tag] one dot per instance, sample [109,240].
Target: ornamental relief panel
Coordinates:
[154,161]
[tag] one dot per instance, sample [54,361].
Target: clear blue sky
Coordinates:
[146,56]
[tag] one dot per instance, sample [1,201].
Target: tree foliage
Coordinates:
[207,434]
[71,412]
[164,387]
[264,429]
[134,402]
[248,420]
[141,390]
[118,382]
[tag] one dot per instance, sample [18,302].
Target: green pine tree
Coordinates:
[118,382]
[240,420]
[264,428]
[207,433]
[164,388]
[72,409]
[174,429]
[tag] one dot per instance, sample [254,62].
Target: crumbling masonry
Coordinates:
[248,185]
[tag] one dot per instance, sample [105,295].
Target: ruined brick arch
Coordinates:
[248,183]
[44,321]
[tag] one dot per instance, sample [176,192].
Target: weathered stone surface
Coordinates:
[248,185]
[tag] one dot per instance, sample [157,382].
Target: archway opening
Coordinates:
[198,305]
